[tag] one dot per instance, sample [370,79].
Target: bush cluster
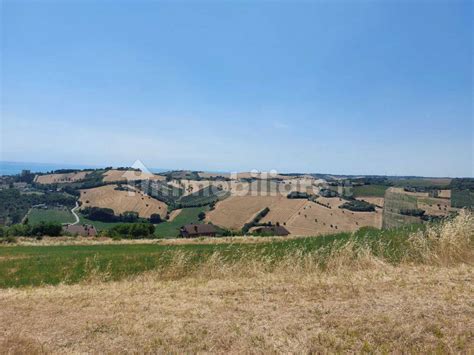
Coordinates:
[132,230]
[255,221]
[36,230]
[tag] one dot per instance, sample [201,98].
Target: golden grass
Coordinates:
[61,178]
[356,303]
[130,175]
[122,201]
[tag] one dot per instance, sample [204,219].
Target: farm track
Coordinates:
[73,211]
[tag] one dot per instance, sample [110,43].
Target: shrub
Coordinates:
[255,221]
[358,206]
[416,212]
[155,218]
[132,230]
[100,214]
[50,229]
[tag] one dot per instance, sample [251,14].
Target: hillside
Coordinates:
[121,201]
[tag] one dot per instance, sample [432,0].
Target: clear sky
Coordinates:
[350,87]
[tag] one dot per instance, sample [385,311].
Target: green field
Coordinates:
[97,224]
[370,190]
[418,182]
[36,215]
[186,216]
[50,265]
[462,198]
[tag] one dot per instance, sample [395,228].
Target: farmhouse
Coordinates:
[198,230]
[84,230]
[272,230]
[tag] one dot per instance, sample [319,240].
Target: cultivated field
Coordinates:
[57,215]
[444,194]
[397,199]
[121,201]
[235,211]
[299,216]
[122,175]
[385,292]
[61,178]
[314,219]
[241,175]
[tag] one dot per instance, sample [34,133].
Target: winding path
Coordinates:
[73,211]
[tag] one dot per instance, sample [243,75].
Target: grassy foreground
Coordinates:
[53,264]
[399,291]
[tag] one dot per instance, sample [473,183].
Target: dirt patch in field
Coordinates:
[61,178]
[122,201]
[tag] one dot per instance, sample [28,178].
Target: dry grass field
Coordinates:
[235,211]
[314,219]
[444,194]
[192,186]
[121,175]
[121,201]
[241,175]
[378,201]
[61,178]
[357,303]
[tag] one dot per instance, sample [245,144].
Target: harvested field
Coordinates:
[121,201]
[122,175]
[193,186]
[235,211]
[444,194]
[435,206]
[314,219]
[299,216]
[61,178]
[241,175]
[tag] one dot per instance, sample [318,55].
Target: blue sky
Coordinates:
[349,87]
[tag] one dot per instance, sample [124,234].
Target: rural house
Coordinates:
[272,230]
[84,230]
[198,230]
